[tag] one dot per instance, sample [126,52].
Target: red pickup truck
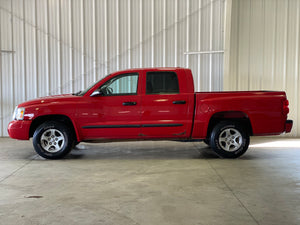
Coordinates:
[150,104]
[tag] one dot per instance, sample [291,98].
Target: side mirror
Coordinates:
[96,93]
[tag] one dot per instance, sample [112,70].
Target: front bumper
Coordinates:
[288,126]
[19,129]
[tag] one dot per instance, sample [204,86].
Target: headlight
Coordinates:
[19,113]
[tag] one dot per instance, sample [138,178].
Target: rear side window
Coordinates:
[162,83]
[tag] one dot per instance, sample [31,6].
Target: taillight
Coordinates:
[285,107]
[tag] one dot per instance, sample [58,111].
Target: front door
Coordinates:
[116,112]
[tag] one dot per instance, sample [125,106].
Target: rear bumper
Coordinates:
[19,129]
[288,126]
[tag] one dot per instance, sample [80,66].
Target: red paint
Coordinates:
[186,115]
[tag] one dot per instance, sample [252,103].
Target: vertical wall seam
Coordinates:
[71,58]
[106,37]
[274,43]
[95,44]
[176,34]
[36,51]
[237,75]
[48,50]
[117,33]
[152,33]
[83,46]
[60,46]
[129,32]
[210,44]
[164,32]
[93,41]
[24,58]
[12,56]
[141,33]
[263,41]
[285,76]
[199,44]
[72,47]
[187,31]
[222,35]
[249,46]
[220,56]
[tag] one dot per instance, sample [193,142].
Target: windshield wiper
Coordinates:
[77,93]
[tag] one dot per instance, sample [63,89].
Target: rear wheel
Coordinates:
[229,139]
[53,140]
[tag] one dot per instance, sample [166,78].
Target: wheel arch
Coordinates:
[59,118]
[234,116]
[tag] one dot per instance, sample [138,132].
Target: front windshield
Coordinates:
[82,93]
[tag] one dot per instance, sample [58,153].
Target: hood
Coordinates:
[49,99]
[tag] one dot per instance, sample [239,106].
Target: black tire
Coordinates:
[53,140]
[229,139]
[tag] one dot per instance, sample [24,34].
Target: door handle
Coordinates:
[129,103]
[179,102]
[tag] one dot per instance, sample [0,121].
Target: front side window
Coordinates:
[162,83]
[125,84]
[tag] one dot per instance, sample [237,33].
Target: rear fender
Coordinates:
[236,116]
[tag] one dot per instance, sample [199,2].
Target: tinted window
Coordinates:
[121,85]
[162,83]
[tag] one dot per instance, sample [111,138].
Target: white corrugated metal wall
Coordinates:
[264,50]
[61,46]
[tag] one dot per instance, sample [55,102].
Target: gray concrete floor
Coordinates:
[153,183]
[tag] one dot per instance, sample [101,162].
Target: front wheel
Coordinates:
[53,140]
[229,139]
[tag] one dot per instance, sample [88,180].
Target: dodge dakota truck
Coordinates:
[150,104]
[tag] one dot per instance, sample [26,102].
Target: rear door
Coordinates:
[165,109]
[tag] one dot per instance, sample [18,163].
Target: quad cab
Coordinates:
[150,104]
